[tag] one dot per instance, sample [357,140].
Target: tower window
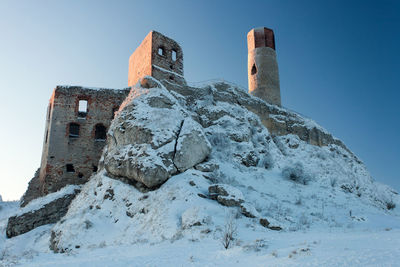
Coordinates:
[82,108]
[253,69]
[70,168]
[161,51]
[49,112]
[174,55]
[100,133]
[73,130]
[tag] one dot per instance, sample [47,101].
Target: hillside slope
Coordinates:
[252,170]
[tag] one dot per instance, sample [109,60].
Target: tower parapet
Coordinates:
[263,71]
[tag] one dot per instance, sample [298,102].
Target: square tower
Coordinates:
[157,56]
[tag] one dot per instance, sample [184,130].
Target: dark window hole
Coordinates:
[253,69]
[100,132]
[70,168]
[73,130]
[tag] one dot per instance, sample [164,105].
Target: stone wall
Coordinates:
[157,56]
[51,212]
[70,155]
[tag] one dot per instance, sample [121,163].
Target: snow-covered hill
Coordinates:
[269,197]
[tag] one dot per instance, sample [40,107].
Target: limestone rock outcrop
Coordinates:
[226,195]
[192,145]
[153,138]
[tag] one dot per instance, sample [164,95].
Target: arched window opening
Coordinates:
[82,108]
[253,69]
[100,133]
[73,130]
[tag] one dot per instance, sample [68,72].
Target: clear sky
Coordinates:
[338,60]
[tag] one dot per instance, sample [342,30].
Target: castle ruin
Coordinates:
[262,66]
[78,118]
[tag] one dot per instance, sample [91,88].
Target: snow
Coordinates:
[93,88]
[338,217]
[40,202]
[168,71]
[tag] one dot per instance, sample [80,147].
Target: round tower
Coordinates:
[262,65]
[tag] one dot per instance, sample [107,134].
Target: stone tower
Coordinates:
[262,65]
[157,56]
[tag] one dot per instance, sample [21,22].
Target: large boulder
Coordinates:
[153,138]
[141,163]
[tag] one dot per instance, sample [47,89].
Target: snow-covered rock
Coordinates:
[195,216]
[192,145]
[226,195]
[143,137]
[153,137]
[268,166]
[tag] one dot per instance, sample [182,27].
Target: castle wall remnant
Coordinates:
[157,56]
[76,125]
[78,118]
[263,72]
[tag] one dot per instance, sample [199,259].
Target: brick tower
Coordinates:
[157,56]
[262,65]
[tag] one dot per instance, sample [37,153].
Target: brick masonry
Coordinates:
[72,143]
[64,144]
[157,56]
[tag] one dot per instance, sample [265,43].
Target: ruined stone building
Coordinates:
[78,118]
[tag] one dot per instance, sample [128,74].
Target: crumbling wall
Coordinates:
[157,56]
[74,139]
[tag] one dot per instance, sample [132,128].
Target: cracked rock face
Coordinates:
[153,138]
[192,146]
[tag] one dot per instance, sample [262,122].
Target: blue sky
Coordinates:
[338,60]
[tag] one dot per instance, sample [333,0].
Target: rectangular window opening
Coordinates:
[74,130]
[70,168]
[173,55]
[82,108]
